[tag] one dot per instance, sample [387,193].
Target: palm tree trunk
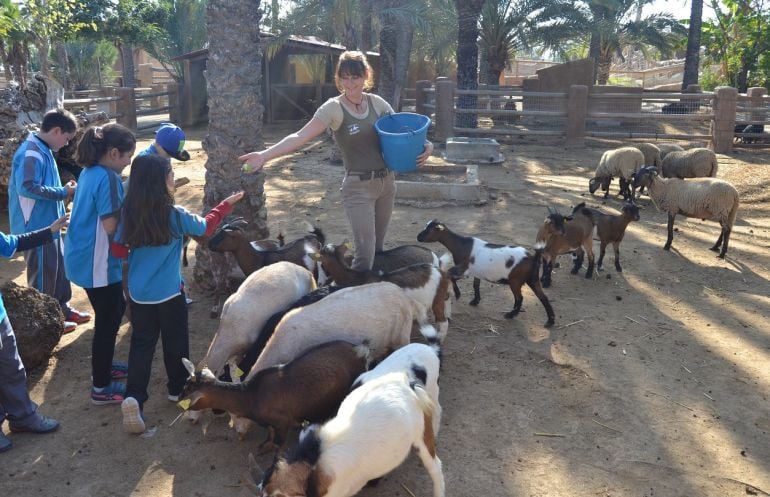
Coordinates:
[603,71]
[366,25]
[234,78]
[594,50]
[127,61]
[6,64]
[62,61]
[692,55]
[467,58]
[43,48]
[395,47]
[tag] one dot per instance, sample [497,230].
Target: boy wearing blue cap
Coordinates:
[169,143]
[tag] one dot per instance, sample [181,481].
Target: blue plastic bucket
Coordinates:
[402,139]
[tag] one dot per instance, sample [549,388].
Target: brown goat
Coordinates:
[237,223]
[424,282]
[563,234]
[611,229]
[251,255]
[309,388]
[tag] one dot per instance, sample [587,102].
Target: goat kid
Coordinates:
[376,427]
[611,229]
[562,234]
[309,388]
[423,282]
[251,256]
[503,264]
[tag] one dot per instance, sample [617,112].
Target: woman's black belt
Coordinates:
[367,175]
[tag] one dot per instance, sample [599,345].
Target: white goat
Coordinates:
[266,291]
[375,428]
[421,363]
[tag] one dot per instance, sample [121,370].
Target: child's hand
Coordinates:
[59,223]
[234,198]
[71,186]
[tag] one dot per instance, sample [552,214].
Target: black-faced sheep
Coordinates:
[611,229]
[562,234]
[704,198]
[667,148]
[692,163]
[619,163]
[502,264]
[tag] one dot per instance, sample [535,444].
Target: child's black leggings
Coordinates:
[108,304]
[149,321]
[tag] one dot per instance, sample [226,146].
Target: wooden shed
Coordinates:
[297,77]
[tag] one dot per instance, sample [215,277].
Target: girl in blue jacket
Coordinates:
[150,234]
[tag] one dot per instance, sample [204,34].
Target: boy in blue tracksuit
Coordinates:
[36,199]
[15,404]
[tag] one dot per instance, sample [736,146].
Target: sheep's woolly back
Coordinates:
[667,148]
[692,163]
[703,198]
[620,163]
[651,153]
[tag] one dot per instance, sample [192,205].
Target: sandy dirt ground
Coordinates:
[654,381]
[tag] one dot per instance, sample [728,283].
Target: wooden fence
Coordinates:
[717,117]
[126,104]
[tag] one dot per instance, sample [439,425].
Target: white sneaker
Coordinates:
[133,421]
[174,398]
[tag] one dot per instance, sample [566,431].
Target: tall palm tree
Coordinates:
[503,31]
[233,77]
[398,19]
[468,12]
[692,55]
[610,26]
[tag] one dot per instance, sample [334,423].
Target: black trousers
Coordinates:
[108,304]
[149,321]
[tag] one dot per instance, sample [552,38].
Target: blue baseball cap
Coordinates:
[170,138]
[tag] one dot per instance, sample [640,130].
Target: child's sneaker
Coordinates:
[114,393]
[133,420]
[119,370]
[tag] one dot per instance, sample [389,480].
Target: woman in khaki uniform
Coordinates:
[368,188]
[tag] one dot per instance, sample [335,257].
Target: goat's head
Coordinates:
[554,223]
[330,254]
[599,181]
[432,231]
[631,210]
[644,176]
[289,476]
[195,381]
[228,237]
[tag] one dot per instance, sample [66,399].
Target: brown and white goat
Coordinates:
[611,229]
[375,429]
[309,388]
[503,264]
[562,234]
[424,282]
[252,255]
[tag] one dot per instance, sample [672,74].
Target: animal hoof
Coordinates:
[474,302]
[715,248]
[510,315]
[721,256]
[618,269]
[549,323]
[667,247]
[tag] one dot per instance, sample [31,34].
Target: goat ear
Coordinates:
[207,375]
[547,220]
[346,243]
[188,366]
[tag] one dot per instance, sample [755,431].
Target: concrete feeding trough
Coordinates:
[438,185]
[475,150]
